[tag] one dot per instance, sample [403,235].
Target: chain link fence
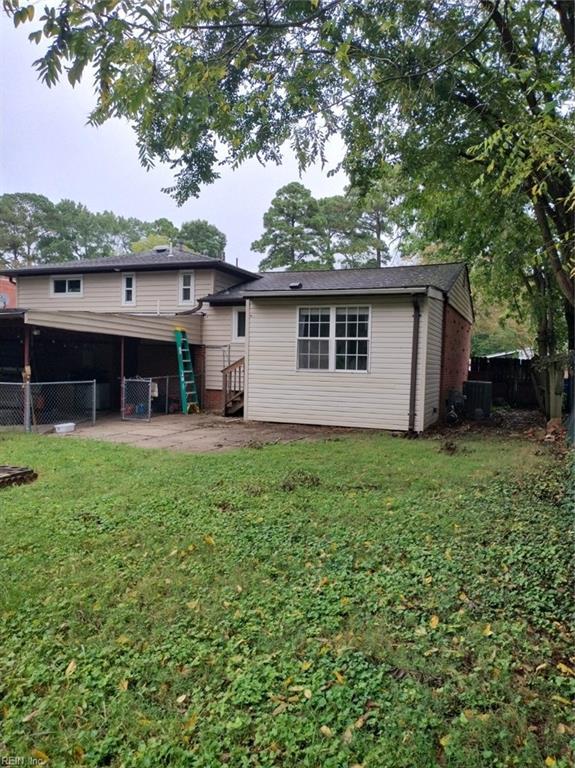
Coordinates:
[42,404]
[136,399]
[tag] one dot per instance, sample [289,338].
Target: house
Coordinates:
[360,347]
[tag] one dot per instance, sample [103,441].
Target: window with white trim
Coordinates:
[239,324]
[67,286]
[186,287]
[333,338]
[313,338]
[128,289]
[351,338]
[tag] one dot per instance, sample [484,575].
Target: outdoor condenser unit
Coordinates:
[477,399]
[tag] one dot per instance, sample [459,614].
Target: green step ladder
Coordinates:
[188,390]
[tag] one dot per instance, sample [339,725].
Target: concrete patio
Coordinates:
[198,433]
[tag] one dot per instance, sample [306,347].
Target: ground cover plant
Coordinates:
[369,601]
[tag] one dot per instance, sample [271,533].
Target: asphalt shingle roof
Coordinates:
[144,261]
[440,276]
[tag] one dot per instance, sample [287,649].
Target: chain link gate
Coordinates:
[136,399]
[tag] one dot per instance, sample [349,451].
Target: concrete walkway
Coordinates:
[199,433]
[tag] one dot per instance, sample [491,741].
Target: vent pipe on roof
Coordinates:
[295,286]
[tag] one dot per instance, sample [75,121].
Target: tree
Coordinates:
[203,238]
[78,233]
[292,229]
[488,81]
[26,228]
[149,242]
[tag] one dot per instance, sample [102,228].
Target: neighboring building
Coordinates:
[365,347]
[7,293]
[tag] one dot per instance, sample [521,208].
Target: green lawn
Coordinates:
[366,602]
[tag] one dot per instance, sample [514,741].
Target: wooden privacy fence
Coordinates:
[512,380]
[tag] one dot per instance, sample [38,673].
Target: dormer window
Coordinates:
[128,290]
[186,287]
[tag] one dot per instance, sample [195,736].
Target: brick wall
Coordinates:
[213,400]
[7,293]
[456,348]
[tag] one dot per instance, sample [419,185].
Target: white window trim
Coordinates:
[80,293]
[332,339]
[126,303]
[192,299]
[235,313]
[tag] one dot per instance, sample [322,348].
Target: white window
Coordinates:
[67,286]
[186,287]
[313,338]
[333,338]
[239,324]
[128,289]
[351,338]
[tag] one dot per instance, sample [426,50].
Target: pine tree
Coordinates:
[291,237]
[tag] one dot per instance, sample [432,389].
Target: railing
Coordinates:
[233,385]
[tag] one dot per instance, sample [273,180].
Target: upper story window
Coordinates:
[128,289]
[186,287]
[239,324]
[333,338]
[67,286]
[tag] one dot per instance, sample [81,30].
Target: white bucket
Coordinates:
[63,429]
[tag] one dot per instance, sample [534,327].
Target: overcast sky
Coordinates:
[46,147]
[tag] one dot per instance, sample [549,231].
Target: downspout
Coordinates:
[195,309]
[414,361]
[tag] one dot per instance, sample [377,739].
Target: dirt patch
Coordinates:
[203,433]
[507,422]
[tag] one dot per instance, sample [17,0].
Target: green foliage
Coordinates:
[35,230]
[452,90]
[203,238]
[287,606]
[291,236]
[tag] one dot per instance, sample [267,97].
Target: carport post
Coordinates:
[26,374]
[93,402]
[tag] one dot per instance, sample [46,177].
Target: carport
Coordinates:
[86,346]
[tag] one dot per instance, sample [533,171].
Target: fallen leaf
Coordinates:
[327,732]
[463,597]
[428,579]
[339,677]
[123,685]
[191,722]
[434,621]
[71,668]
[565,669]
[550,761]
[209,540]
[30,716]
[123,640]
[561,700]
[39,755]
[305,665]
[307,693]
[347,736]
[280,708]
[182,698]
[360,722]
[444,740]
[487,631]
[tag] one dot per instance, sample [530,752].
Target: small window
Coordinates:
[351,338]
[128,289]
[186,288]
[67,286]
[313,338]
[239,324]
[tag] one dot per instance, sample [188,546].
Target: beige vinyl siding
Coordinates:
[102,292]
[154,327]
[432,360]
[277,391]
[220,349]
[460,297]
